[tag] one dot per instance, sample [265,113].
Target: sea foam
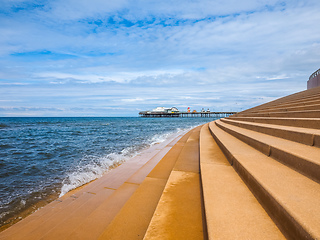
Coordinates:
[98,167]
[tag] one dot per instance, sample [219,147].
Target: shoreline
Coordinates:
[28,211]
[44,202]
[55,197]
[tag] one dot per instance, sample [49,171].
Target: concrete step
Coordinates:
[179,214]
[300,96]
[295,102]
[302,158]
[289,108]
[306,136]
[311,123]
[133,219]
[232,211]
[41,226]
[284,105]
[24,228]
[291,114]
[294,98]
[291,199]
[93,225]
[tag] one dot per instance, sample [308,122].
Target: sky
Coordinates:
[115,58]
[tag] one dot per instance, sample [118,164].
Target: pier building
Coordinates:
[174,112]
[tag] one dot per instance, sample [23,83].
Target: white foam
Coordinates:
[23,202]
[159,138]
[3,214]
[98,167]
[93,170]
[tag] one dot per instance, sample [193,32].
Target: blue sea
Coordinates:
[45,157]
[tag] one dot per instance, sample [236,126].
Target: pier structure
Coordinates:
[186,114]
[252,175]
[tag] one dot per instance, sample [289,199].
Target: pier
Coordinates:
[186,114]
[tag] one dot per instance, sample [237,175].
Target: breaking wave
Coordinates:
[95,169]
[99,166]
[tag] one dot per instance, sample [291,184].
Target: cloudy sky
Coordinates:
[115,58]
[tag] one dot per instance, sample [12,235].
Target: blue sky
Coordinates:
[116,58]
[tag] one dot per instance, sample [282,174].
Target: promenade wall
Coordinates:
[314,80]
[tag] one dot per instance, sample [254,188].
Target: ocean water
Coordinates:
[42,157]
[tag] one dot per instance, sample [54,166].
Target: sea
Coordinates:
[44,158]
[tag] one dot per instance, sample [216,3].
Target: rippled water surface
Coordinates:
[50,156]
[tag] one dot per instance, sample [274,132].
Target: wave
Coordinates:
[159,138]
[95,169]
[99,166]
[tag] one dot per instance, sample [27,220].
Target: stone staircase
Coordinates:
[253,175]
[274,148]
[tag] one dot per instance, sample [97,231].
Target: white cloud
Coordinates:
[133,99]
[217,54]
[117,77]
